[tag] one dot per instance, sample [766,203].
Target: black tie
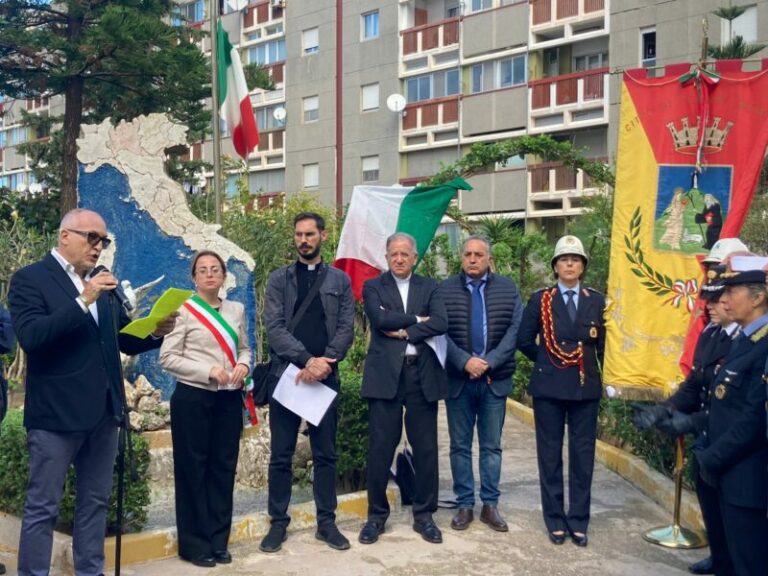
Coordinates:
[570,304]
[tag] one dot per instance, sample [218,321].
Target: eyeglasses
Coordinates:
[206,271]
[93,238]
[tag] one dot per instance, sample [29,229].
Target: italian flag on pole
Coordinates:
[376,212]
[234,99]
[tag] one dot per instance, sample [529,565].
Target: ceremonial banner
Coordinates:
[690,149]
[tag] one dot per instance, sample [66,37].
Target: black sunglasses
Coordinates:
[92,238]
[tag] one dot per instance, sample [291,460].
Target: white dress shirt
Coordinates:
[402,287]
[78,282]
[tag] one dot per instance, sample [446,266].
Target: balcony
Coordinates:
[555,189]
[261,14]
[571,100]
[429,41]
[553,20]
[270,151]
[430,122]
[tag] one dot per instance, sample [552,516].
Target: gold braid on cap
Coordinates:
[567,359]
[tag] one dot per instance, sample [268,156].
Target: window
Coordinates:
[311,175]
[311,108]
[481,5]
[370,166]
[187,13]
[452,9]
[498,74]
[265,118]
[267,53]
[370,25]
[310,40]
[428,86]
[744,26]
[648,47]
[369,96]
[267,181]
[590,61]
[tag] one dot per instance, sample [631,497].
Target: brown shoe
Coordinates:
[490,515]
[463,519]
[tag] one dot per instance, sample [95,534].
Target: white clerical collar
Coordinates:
[402,280]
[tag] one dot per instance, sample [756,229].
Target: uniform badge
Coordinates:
[593,332]
[720,391]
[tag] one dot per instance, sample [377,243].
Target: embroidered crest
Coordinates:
[720,391]
[593,332]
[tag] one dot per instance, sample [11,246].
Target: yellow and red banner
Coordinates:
[690,148]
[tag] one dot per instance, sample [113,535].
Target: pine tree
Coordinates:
[112,59]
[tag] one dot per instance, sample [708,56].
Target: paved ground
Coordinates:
[620,514]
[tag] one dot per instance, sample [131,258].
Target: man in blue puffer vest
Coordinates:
[484,313]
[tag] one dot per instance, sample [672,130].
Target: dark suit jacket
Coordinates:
[384,362]
[6,345]
[736,447]
[73,363]
[549,379]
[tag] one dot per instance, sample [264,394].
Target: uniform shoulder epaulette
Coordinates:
[760,334]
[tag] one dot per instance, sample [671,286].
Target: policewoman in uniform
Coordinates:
[734,457]
[563,332]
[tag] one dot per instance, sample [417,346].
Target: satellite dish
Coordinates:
[279,114]
[396,102]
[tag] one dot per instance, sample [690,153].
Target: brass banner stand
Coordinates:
[676,536]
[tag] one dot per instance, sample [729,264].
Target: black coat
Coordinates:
[503,311]
[384,361]
[735,446]
[6,345]
[73,363]
[712,347]
[550,378]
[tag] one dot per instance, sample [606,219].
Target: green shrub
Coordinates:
[14,473]
[352,434]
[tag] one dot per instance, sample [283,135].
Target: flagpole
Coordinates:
[215,104]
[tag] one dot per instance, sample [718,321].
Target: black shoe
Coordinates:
[463,519]
[429,531]
[370,532]
[202,561]
[557,539]
[222,557]
[579,539]
[274,539]
[701,567]
[330,535]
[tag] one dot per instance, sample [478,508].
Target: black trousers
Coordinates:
[550,416]
[746,530]
[385,419]
[709,502]
[284,427]
[205,427]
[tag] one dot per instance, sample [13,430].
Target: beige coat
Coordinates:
[190,351]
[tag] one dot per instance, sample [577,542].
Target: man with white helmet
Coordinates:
[563,332]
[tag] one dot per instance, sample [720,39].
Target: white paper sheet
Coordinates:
[440,345]
[310,401]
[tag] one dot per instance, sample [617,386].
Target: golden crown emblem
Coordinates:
[686,139]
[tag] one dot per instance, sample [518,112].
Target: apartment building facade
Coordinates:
[387,91]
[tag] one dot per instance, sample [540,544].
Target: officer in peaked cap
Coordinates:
[563,332]
[733,459]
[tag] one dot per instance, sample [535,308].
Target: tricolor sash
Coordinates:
[227,338]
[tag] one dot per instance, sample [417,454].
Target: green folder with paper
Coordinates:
[169,302]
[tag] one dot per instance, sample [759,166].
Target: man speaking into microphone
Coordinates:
[67,322]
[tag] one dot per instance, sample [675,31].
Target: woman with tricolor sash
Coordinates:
[208,354]
[563,332]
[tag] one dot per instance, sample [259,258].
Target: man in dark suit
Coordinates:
[484,312]
[6,345]
[401,369]
[68,325]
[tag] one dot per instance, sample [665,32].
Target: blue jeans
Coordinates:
[476,404]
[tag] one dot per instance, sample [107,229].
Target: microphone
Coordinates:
[118,291]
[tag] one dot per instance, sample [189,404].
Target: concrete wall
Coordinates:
[491,30]
[502,191]
[495,111]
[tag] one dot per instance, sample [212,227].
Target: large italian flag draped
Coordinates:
[234,99]
[376,212]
